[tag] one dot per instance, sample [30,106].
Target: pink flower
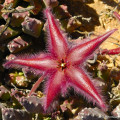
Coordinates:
[63,65]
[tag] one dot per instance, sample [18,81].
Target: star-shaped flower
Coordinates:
[63,65]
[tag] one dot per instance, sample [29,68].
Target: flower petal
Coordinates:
[54,85]
[43,62]
[57,42]
[79,79]
[116,15]
[36,85]
[81,52]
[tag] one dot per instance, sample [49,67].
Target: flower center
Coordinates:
[62,64]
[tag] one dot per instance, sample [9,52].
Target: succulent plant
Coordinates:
[32,104]
[92,114]
[15,114]
[18,44]
[17,18]
[9,33]
[10,57]
[32,26]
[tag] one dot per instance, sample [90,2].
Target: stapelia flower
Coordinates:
[63,65]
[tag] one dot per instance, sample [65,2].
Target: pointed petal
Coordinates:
[54,86]
[36,85]
[57,43]
[111,51]
[80,80]
[42,62]
[116,15]
[81,52]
